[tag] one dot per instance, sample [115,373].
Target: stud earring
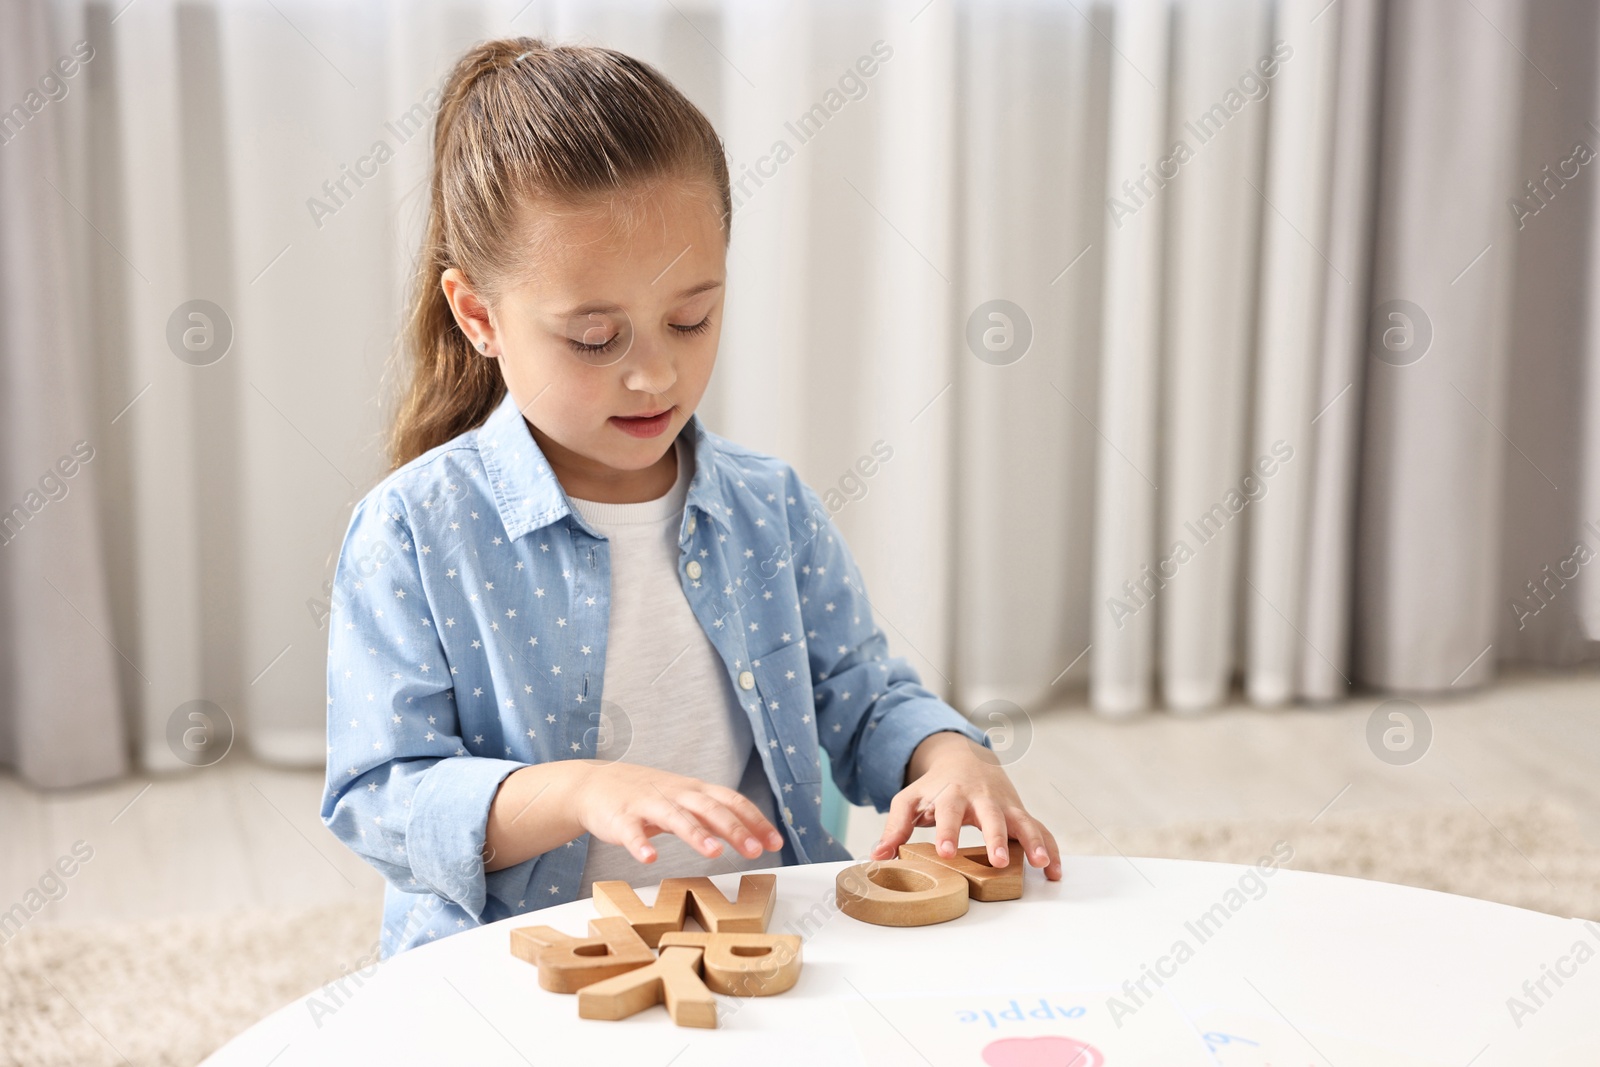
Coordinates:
[483,346]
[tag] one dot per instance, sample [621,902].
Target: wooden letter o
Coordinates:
[901,892]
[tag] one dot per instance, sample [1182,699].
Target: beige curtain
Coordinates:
[1080,345]
[65,670]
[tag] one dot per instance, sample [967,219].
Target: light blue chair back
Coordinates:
[835,809]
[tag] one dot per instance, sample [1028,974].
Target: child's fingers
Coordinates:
[677,819]
[754,821]
[1030,833]
[949,813]
[721,820]
[897,828]
[1053,871]
[1041,845]
[636,841]
[991,820]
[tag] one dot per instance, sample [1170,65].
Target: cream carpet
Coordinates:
[171,991]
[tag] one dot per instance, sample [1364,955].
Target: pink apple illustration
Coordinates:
[1042,1052]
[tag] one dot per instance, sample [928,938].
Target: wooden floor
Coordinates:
[1530,737]
[242,834]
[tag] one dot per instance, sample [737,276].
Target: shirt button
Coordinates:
[694,568]
[746,680]
[691,524]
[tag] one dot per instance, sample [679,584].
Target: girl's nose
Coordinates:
[648,369]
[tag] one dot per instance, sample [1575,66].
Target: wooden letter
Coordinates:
[749,914]
[618,898]
[680,897]
[567,964]
[972,863]
[901,893]
[744,965]
[674,978]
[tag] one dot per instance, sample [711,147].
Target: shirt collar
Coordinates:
[528,494]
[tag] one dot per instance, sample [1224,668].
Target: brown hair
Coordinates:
[519,120]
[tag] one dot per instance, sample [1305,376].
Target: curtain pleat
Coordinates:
[1434,451]
[1024,313]
[1589,298]
[1335,426]
[61,714]
[1212,268]
[891,188]
[1125,500]
[165,625]
[1294,269]
[1546,408]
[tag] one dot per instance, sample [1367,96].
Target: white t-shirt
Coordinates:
[666,698]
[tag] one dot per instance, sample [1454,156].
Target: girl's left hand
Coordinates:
[954,783]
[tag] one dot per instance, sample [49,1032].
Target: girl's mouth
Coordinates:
[642,427]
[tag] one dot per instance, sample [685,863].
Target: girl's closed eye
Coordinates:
[591,344]
[594,335]
[700,327]
[694,317]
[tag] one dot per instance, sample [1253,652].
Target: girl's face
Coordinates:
[617,321]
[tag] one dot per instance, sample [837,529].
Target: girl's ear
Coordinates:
[470,311]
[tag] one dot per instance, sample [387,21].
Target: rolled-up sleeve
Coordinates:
[445,834]
[872,709]
[401,792]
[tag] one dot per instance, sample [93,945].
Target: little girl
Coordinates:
[571,618]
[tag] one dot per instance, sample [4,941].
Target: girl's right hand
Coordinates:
[626,804]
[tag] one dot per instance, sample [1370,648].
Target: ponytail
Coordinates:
[452,388]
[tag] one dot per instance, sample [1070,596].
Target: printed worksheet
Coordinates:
[1088,1028]
[1240,1039]
[1039,1029]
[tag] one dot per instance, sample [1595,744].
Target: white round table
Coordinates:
[1139,961]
